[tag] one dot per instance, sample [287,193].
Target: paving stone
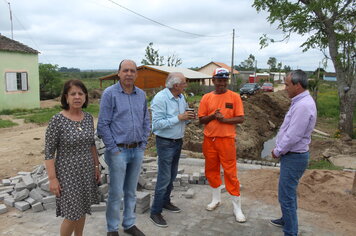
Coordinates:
[16,177]
[20,186]
[42,180]
[176,183]
[21,195]
[196,176]
[180,170]
[104,188]
[3,209]
[6,182]
[9,201]
[22,205]
[3,196]
[37,207]
[29,182]
[189,193]
[43,193]
[50,205]
[142,197]
[30,200]
[98,207]
[49,199]
[23,173]
[151,173]
[141,181]
[36,195]
[103,179]
[45,186]
[6,189]
[39,170]
[102,162]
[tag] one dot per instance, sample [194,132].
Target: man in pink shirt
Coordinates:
[292,147]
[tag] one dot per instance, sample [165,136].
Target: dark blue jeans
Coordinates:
[168,157]
[293,166]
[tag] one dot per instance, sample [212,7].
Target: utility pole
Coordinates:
[12,29]
[254,78]
[233,79]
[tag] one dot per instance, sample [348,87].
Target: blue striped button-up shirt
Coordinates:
[123,118]
[165,110]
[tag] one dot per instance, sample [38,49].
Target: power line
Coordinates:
[164,25]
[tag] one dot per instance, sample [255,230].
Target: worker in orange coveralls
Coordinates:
[220,111]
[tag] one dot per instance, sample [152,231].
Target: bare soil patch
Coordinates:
[321,191]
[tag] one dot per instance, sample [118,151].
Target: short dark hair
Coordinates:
[67,85]
[299,76]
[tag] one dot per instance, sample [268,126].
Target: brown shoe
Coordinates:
[134,231]
[112,233]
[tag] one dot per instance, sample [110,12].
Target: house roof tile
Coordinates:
[10,45]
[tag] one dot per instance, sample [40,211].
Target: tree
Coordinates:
[50,82]
[272,61]
[152,56]
[329,24]
[174,60]
[287,68]
[248,64]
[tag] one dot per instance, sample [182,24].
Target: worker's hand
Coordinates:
[218,115]
[55,187]
[187,115]
[273,155]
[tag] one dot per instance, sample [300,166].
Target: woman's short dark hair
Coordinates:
[68,85]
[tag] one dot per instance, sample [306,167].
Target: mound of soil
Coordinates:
[264,113]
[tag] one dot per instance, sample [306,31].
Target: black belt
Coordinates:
[170,139]
[128,145]
[296,152]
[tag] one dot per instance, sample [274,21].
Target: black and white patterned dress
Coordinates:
[70,143]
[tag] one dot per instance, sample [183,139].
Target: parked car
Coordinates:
[249,88]
[267,87]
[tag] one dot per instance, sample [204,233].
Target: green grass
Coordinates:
[323,164]
[6,123]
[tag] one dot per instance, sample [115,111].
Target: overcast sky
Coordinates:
[98,34]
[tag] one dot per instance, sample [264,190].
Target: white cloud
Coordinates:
[97,34]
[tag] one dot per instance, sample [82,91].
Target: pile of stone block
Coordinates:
[28,190]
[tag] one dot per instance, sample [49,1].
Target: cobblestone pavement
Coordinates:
[193,220]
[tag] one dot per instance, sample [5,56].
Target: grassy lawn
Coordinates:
[323,164]
[43,115]
[6,123]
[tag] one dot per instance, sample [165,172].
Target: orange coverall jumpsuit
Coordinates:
[219,139]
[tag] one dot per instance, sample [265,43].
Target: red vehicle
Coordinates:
[267,87]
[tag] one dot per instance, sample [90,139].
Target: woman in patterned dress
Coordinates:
[71,159]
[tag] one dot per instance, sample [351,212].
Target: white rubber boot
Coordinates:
[236,202]
[216,199]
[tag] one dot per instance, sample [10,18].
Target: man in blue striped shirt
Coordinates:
[124,125]
[169,117]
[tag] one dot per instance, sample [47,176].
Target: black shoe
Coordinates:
[277,222]
[158,220]
[171,207]
[134,231]
[113,233]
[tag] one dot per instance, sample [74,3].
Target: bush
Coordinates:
[195,88]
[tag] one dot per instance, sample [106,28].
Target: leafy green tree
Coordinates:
[174,60]
[272,62]
[286,68]
[152,56]
[328,25]
[50,82]
[248,64]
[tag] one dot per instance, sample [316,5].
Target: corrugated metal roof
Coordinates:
[188,73]
[10,45]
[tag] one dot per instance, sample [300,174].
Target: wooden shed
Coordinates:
[149,77]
